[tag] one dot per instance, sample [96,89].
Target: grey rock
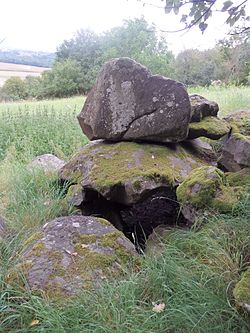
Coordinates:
[73,253]
[129,103]
[47,162]
[235,152]
[201,107]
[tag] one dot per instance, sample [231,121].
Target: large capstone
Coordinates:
[72,253]
[132,185]
[129,103]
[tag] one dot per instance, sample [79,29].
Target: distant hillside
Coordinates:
[32,58]
[8,70]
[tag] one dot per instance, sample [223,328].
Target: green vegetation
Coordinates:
[193,275]
[78,60]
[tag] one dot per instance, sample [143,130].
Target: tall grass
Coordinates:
[41,127]
[193,276]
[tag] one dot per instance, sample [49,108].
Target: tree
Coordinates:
[236,55]
[14,89]
[135,39]
[63,80]
[138,40]
[198,12]
[85,48]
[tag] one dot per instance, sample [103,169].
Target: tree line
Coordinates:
[79,60]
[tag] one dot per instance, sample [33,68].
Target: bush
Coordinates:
[14,89]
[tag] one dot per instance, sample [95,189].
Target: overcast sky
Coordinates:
[41,25]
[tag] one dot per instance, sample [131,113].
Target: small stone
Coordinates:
[47,162]
[201,107]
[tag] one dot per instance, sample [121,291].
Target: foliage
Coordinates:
[199,12]
[63,80]
[135,39]
[14,88]
[228,61]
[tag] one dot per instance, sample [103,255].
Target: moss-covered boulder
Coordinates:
[201,107]
[242,291]
[72,253]
[209,127]
[206,188]
[240,178]
[123,172]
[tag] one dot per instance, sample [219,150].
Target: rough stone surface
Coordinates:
[201,107]
[242,291]
[235,152]
[209,127]
[124,172]
[47,162]
[129,103]
[72,253]
[206,188]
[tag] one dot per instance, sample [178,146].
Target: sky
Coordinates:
[42,25]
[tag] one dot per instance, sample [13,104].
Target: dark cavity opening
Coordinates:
[137,222]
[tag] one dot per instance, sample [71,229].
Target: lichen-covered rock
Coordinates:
[124,172]
[240,120]
[209,127]
[129,103]
[242,291]
[201,107]
[47,162]
[206,188]
[235,152]
[72,253]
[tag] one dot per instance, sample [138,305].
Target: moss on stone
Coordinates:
[115,164]
[226,198]
[200,187]
[206,187]
[239,178]
[210,127]
[242,289]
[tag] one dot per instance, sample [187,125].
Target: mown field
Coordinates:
[194,276]
[8,70]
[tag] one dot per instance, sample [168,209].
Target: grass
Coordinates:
[193,275]
[35,128]
[8,70]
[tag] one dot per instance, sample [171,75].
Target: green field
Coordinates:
[194,276]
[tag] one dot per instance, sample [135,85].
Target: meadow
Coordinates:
[193,276]
[8,70]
